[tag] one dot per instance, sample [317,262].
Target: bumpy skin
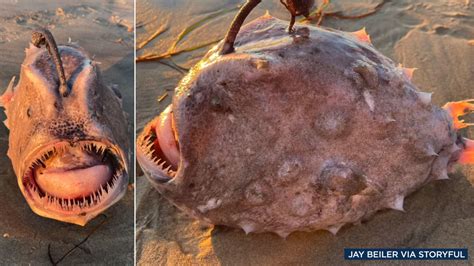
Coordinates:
[38,117]
[302,132]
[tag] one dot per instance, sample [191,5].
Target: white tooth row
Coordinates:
[40,161]
[72,204]
[158,161]
[96,147]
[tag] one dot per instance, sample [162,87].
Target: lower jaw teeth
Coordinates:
[163,165]
[66,204]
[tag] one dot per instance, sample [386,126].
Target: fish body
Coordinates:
[296,132]
[69,153]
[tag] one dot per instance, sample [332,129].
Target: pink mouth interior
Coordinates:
[74,173]
[166,137]
[74,183]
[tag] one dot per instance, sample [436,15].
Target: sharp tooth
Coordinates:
[42,164]
[162,165]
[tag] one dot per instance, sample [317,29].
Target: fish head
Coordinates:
[69,153]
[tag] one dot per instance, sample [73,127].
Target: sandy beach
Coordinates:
[434,37]
[104,29]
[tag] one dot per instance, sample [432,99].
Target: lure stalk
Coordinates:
[42,37]
[234,29]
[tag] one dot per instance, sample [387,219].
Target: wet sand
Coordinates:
[104,30]
[433,37]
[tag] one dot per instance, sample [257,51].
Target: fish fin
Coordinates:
[248,227]
[267,14]
[335,228]
[397,203]
[282,234]
[457,109]
[407,71]
[7,96]
[467,155]
[362,36]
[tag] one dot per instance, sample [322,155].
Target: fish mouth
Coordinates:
[157,148]
[74,181]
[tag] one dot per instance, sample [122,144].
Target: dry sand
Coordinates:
[101,28]
[433,37]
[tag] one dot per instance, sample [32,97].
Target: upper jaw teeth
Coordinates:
[147,148]
[103,192]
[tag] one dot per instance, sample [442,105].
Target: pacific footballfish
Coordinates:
[68,134]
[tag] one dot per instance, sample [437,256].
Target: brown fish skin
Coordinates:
[298,132]
[45,126]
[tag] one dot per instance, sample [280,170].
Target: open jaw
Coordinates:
[158,149]
[74,182]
